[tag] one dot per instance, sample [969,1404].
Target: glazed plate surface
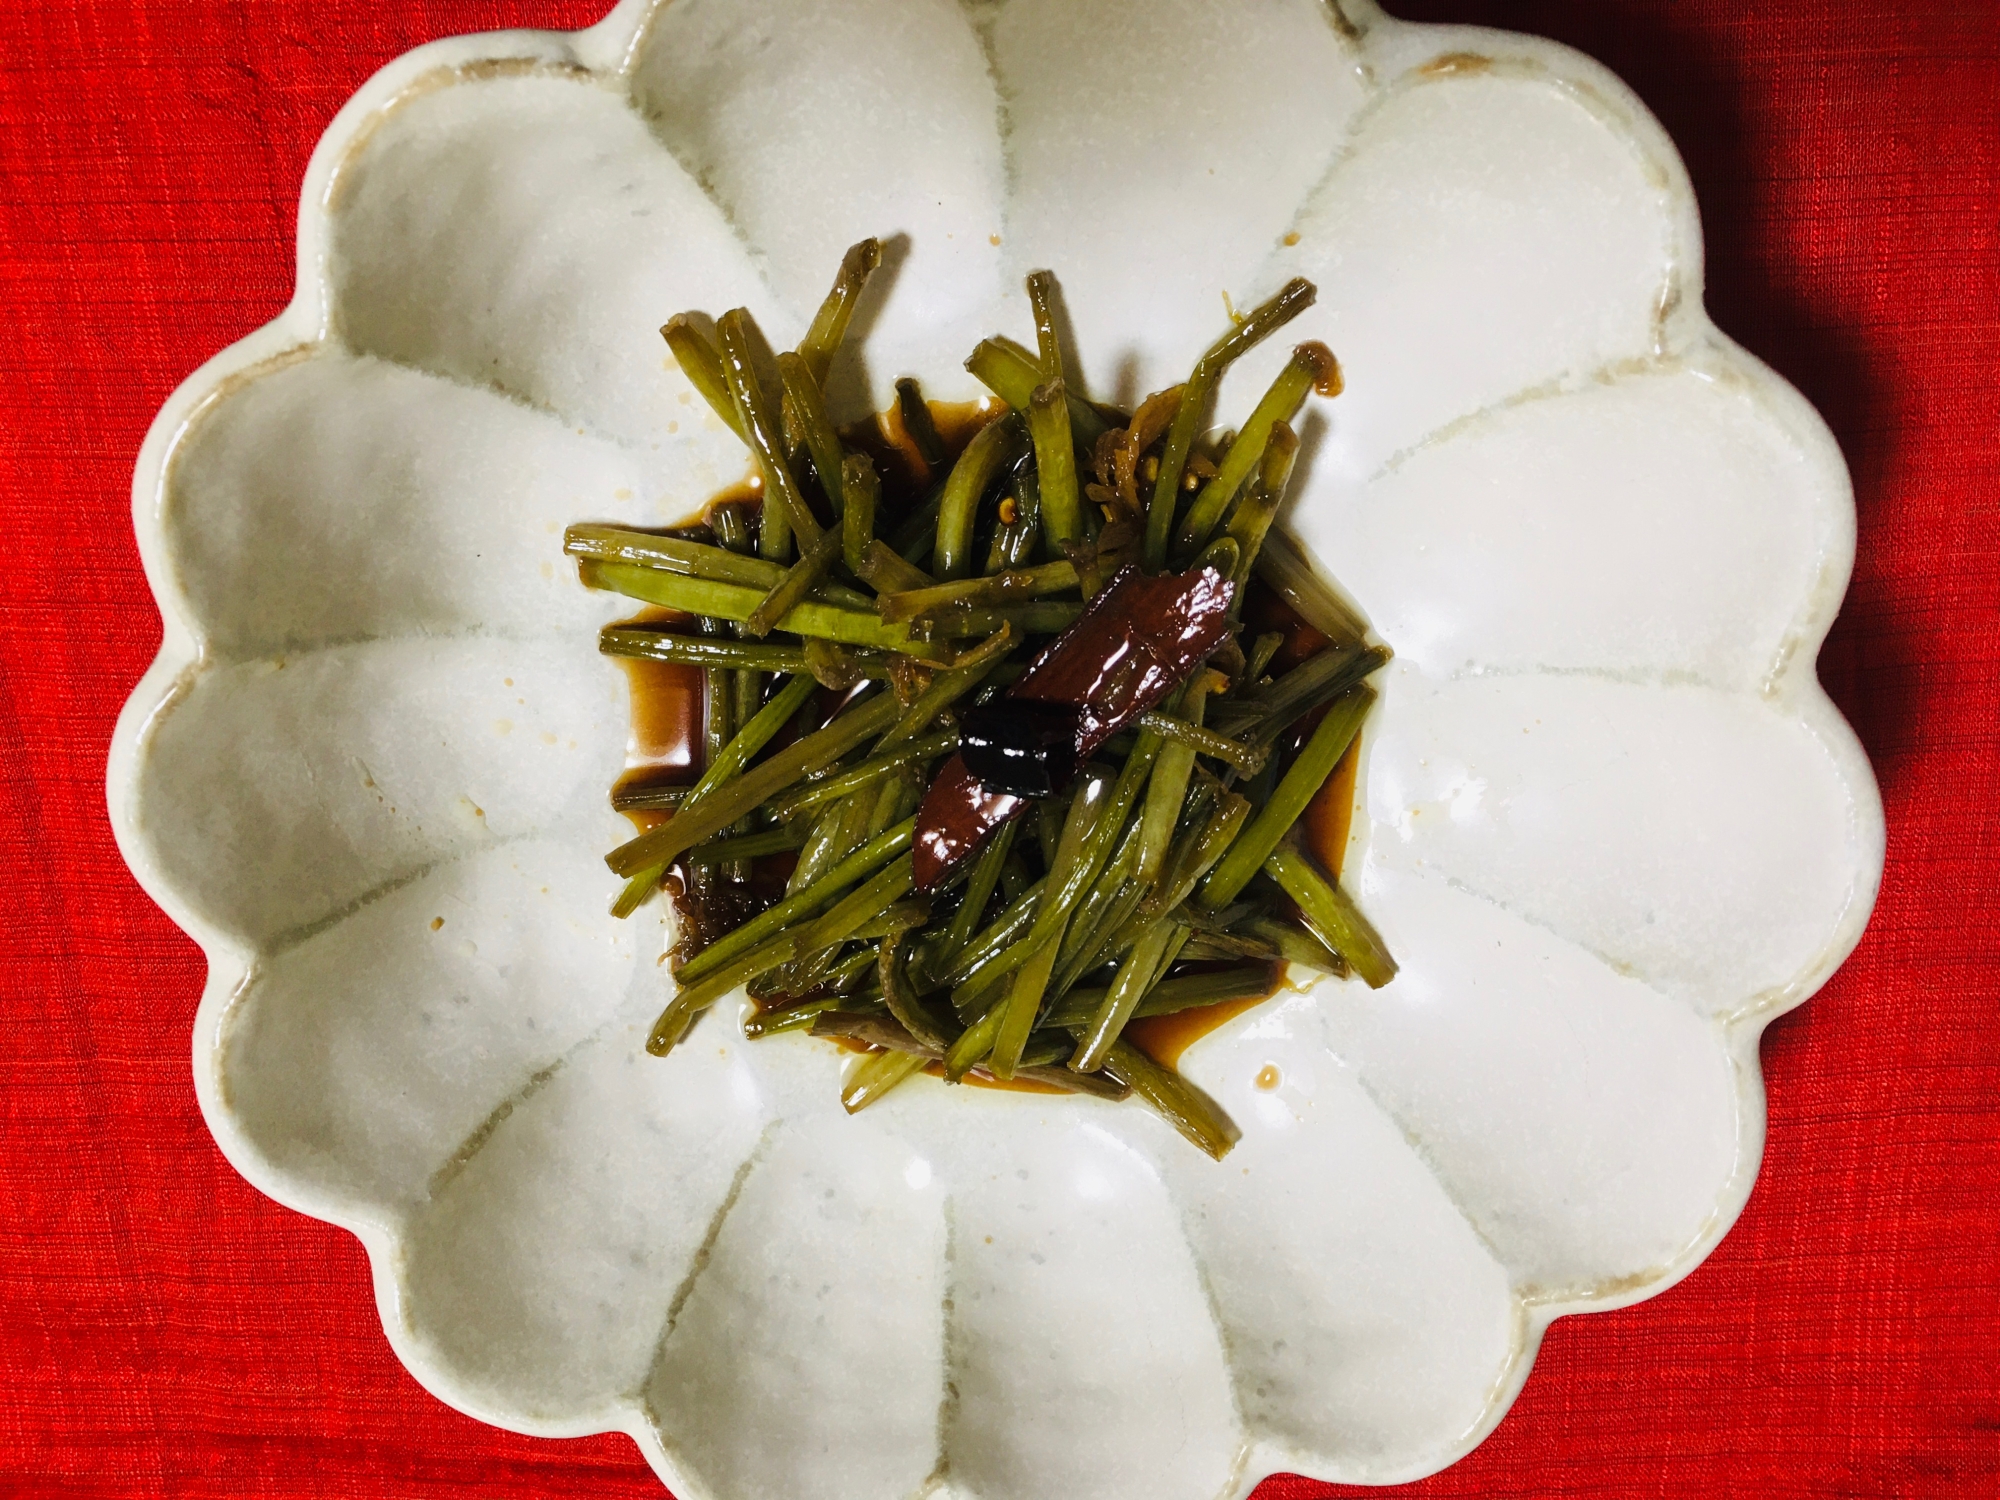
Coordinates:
[1608,820]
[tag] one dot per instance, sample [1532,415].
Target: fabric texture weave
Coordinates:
[166,1331]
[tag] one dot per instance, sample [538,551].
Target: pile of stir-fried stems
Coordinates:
[1166,875]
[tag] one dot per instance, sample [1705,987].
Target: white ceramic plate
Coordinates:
[1611,825]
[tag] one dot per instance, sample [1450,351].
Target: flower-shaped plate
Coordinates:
[1608,820]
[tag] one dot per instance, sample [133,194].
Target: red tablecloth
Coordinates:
[166,1331]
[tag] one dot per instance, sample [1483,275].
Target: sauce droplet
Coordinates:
[1268,1077]
[1319,359]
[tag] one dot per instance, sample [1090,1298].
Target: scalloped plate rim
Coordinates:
[607,46]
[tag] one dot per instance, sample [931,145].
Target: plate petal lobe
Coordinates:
[335,499]
[364,1059]
[1587,1125]
[541,1266]
[1740,839]
[816,1316]
[1085,1359]
[1494,217]
[1366,1323]
[1157,154]
[1657,525]
[276,793]
[821,123]
[526,234]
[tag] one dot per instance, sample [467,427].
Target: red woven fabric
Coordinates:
[164,1330]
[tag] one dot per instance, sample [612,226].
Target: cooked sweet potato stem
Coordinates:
[1294,298]
[1146,862]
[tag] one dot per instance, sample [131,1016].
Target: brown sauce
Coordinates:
[666,718]
[1330,815]
[959,422]
[1263,612]
[1165,1038]
[663,745]
[906,478]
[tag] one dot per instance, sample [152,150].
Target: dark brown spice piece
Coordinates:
[1134,642]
